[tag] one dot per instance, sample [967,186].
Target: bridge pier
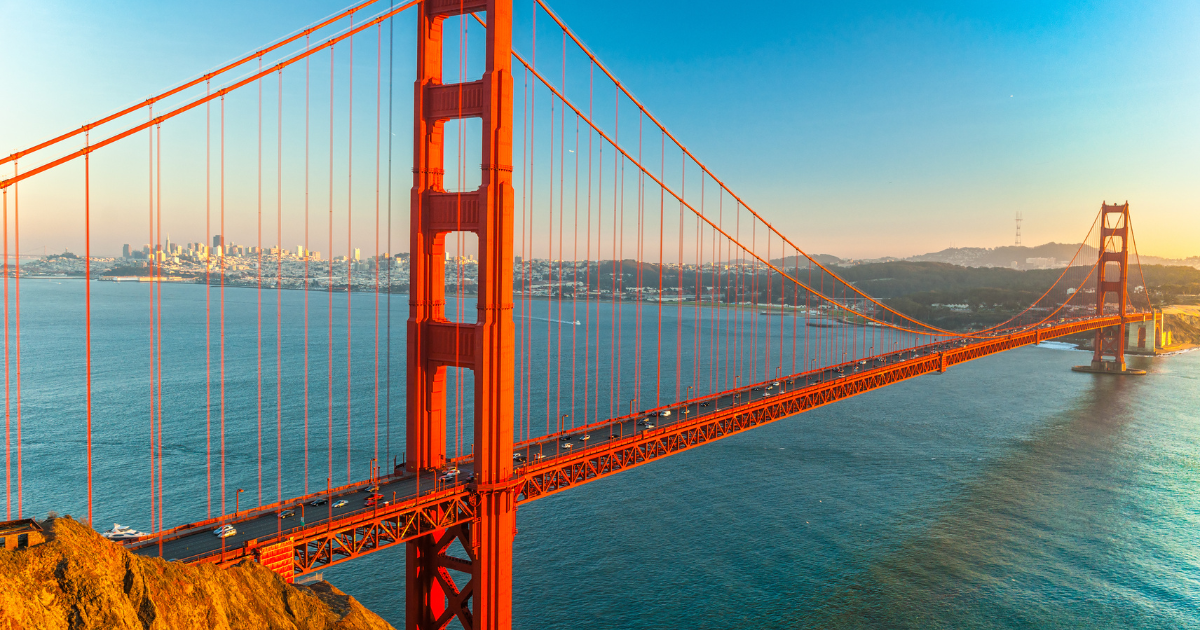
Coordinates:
[486,347]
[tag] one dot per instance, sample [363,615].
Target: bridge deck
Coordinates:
[552,463]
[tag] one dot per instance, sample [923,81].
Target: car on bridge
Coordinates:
[318,501]
[287,513]
[341,503]
[373,499]
[225,531]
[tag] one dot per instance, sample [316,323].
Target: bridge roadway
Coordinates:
[551,463]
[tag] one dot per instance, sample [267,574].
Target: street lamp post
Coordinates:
[237,495]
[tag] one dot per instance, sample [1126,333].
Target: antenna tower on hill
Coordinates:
[1018,229]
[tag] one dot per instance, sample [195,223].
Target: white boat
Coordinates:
[122,532]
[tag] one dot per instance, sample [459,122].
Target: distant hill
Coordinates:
[1047,256]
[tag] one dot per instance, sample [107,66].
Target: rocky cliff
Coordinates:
[79,580]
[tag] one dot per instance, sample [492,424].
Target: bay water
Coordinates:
[1009,492]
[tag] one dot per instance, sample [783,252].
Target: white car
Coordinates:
[566,445]
[585,436]
[225,531]
[341,503]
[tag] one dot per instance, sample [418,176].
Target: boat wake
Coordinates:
[1059,345]
[557,321]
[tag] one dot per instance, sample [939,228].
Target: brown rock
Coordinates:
[78,580]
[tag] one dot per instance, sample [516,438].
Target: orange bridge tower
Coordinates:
[486,347]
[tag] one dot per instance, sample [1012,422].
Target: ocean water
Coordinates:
[1009,492]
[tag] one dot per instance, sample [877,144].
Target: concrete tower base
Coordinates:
[1108,367]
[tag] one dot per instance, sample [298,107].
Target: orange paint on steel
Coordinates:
[208,302]
[349,236]
[487,346]
[87,284]
[17,337]
[7,398]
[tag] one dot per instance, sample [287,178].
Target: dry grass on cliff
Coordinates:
[79,580]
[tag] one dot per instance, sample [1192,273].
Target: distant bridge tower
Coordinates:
[486,347]
[1112,279]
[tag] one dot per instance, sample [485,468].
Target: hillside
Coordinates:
[984,296]
[81,581]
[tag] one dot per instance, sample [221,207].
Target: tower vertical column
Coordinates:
[495,524]
[425,443]
[1114,224]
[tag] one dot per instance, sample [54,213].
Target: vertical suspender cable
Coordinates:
[329,289]
[208,298]
[349,231]
[154,254]
[221,257]
[7,419]
[662,153]
[87,283]
[17,339]
[391,255]
[307,258]
[279,296]
[258,290]
[158,311]
[378,130]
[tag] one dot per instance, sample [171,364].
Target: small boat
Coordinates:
[122,532]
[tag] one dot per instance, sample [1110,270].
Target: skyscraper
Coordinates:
[125,251]
[217,242]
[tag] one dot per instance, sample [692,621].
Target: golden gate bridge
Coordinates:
[628,305]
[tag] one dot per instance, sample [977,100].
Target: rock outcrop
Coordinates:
[77,580]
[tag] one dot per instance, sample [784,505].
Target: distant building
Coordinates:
[125,251]
[1040,263]
[217,242]
[357,254]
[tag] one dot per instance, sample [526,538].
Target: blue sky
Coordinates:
[860,128]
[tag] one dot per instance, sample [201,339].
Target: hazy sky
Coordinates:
[859,128]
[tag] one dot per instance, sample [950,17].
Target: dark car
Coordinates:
[316,502]
[287,513]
